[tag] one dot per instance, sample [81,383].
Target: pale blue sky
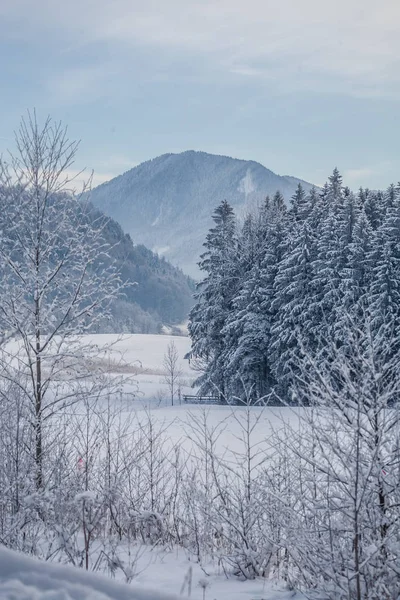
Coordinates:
[298,85]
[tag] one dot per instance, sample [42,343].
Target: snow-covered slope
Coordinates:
[166,203]
[25,578]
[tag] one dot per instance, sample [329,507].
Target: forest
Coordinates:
[288,281]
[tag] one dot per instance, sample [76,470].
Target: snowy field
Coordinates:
[172,570]
[204,502]
[142,358]
[137,358]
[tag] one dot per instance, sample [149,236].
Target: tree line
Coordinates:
[285,279]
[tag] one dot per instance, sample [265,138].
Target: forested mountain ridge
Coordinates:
[155,293]
[160,294]
[166,203]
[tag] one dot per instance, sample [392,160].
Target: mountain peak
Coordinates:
[166,203]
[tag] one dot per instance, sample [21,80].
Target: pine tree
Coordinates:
[356,275]
[291,306]
[299,205]
[385,261]
[214,297]
[335,188]
[292,275]
[249,363]
[374,208]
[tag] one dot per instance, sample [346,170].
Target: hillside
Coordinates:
[162,294]
[166,203]
[157,294]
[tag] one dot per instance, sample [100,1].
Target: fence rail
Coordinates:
[201,400]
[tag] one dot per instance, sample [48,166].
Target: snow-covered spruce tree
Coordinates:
[214,299]
[344,537]
[243,344]
[297,269]
[384,292]
[373,205]
[300,207]
[56,275]
[356,275]
[248,328]
[292,306]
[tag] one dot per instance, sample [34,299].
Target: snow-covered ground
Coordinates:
[143,350]
[174,573]
[167,577]
[139,358]
[25,578]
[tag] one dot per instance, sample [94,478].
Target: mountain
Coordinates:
[163,294]
[157,295]
[166,203]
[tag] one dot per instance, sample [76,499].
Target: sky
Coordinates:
[300,86]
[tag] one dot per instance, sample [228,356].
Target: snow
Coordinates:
[226,420]
[146,349]
[246,185]
[145,353]
[168,570]
[25,578]
[173,567]
[140,356]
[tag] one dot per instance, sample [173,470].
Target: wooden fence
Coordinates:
[201,400]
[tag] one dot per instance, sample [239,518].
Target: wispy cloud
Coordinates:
[364,175]
[79,181]
[103,171]
[352,176]
[81,84]
[348,40]
[117,163]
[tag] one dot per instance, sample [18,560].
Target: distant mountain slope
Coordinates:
[166,203]
[163,294]
[157,293]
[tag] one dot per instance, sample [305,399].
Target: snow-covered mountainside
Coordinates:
[166,203]
[24,578]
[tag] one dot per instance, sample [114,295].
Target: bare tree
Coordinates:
[342,512]
[57,277]
[173,371]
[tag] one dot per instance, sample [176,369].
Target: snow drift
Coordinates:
[25,578]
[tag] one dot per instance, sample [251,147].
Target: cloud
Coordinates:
[348,40]
[366,175]
[354,175]
[77,85]
[117,162]
[104,170]
[79,180]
